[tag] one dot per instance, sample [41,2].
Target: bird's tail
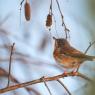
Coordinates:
[91,58]
[94,58]
[87,57]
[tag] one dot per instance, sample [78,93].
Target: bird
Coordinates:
[69,57]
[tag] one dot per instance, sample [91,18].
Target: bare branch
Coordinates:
[10,62]
[63,23]
[3,73]
[55,25]
[84,77]
[64,87]
[43,78]
[21,4]
[90,44]
[10,88]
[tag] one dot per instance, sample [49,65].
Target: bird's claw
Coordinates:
[75,73]
[65,73]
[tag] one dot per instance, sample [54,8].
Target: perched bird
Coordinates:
[67,56]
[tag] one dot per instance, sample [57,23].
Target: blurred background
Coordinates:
[33,54]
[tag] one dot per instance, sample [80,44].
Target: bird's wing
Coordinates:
[74,53]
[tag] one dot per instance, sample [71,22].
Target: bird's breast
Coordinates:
[66,61]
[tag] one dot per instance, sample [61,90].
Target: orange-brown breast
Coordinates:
[66,61]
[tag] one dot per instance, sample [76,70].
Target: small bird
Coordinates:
[69,57]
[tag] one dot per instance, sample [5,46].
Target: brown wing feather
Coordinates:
[70,51]
[77,54]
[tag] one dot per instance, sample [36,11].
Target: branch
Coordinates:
[64,87]
[43,78]
[21,4]
[90,44]
[10,62]
[55,25]
[10,88]
[3,73]
[63,23]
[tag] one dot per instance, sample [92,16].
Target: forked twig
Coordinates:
[10,62]
[64,87]
[43,78]
[90,44]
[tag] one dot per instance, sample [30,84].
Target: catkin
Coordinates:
[49,20]
[27,11]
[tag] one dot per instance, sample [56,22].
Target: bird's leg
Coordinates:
[75,71]
[65,72]
[78,68]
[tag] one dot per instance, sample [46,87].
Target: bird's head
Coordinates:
[61,42]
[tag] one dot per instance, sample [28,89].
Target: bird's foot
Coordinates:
[75,73]
[65,73]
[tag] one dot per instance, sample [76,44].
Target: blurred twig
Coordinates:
[5,19]
[64,87]
[10,62]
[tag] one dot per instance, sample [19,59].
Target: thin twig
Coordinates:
[64,87]
[50,9]
[62,17]
[90,44]
[21,4]
[10,88]
[51,6]
[84,77]
[5,19]
[50,12]
[60,11]
[20,9]
[10,62]
[43,78]
[63,23]
[55,25]
[4,73]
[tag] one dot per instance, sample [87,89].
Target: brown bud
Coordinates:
[49,20]
[27,11]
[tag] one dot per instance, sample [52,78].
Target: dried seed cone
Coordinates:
[49,20]
[27,11]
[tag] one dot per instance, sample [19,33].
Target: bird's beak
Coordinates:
[54,38]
